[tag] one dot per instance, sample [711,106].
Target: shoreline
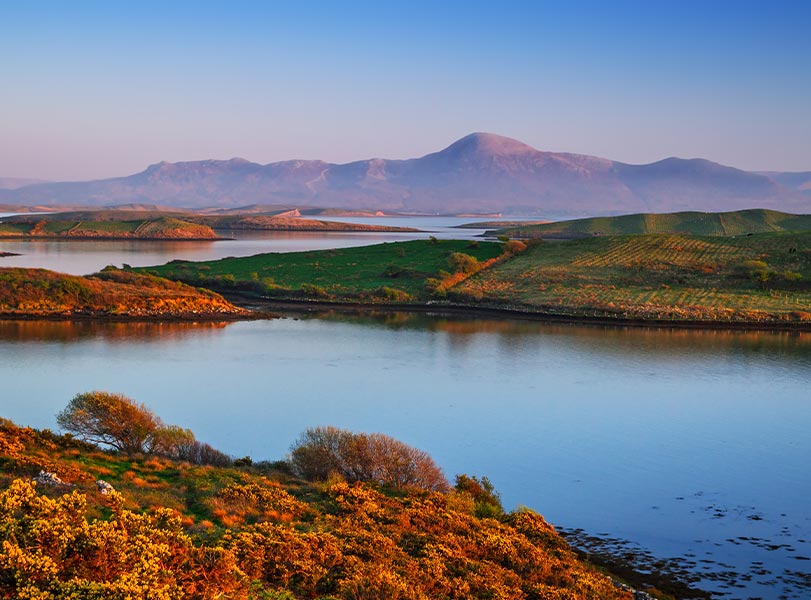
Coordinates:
[259,308]
[433,307]
[107,238]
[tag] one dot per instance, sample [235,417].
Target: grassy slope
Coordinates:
[654,276]
[175,530]
[342,273]
[697,223]
[154,228]
[37,292]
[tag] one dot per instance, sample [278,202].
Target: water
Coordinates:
[693,444]
[82,257]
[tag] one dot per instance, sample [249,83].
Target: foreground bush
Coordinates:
[324,451]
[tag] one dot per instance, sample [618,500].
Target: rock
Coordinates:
[47,478]
[104,487]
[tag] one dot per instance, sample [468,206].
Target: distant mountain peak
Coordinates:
[481,172]
[483,143]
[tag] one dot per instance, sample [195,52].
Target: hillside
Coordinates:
[697,223]
[762,278]
[158,228]
[160,528]
[109,294]
[480,173]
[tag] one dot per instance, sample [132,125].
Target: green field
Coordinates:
[762,277]
[385,270]
[696,223]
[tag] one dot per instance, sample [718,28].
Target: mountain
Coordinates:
[481,172]
[800,181]
[12,183]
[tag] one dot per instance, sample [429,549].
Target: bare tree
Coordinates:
[321,451]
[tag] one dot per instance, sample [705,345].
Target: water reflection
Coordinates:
[675,439]
[72,331]
[636,343]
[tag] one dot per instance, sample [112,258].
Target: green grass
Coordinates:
[754,278]
[695,223]
[342,273]
[13,229]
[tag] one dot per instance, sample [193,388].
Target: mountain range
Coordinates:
[480,173]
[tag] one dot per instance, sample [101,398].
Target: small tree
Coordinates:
[463,263]
[119,422]
[112,420]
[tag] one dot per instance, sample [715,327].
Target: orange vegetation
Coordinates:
[241,533]
[37,292]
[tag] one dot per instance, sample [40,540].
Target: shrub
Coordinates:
[316,291]
[791,276]
[322,451]
[432,284]
[756,270]
[463,263]
[392,294]
[514,246]
[486,501]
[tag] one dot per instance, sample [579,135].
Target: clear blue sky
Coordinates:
[97,89]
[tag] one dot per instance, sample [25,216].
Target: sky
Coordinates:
[102,89]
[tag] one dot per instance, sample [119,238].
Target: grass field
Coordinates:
[394,271]
[696,223]
[750,278]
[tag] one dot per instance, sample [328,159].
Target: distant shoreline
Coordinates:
[109,238]
[259,309]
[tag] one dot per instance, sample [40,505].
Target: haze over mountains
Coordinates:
[482,172]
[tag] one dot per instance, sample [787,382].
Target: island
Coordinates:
[64,227]
[160,225]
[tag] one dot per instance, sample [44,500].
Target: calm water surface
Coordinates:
[691,444]
[82,257]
